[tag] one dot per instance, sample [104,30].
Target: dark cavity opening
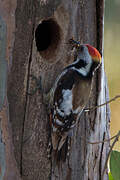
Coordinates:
[47,36]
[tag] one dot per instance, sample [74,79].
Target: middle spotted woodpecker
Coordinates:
[69,96]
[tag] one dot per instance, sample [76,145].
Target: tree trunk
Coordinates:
[37,36]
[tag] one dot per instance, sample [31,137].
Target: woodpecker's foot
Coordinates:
[38,85]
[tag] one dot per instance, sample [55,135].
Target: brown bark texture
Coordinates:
[36,43]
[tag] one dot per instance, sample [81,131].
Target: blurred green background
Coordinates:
[112,60]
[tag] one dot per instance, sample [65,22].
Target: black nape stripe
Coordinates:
[81,63]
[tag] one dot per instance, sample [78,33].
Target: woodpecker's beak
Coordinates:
[74,43]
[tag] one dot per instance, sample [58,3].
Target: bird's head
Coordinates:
[87,58]
[81,49]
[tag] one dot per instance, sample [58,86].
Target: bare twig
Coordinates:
[98,142]
[106,162]
[107,102]
[106,140]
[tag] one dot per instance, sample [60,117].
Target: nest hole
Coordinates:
[47,37]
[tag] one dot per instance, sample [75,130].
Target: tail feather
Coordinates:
[61,154]
[62,141]
[60,146]
[58,140]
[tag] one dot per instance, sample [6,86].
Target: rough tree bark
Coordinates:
[37,33]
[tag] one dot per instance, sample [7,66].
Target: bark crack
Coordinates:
[100,165]
[100,18]
[26,98]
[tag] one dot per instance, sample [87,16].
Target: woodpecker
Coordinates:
[69,96]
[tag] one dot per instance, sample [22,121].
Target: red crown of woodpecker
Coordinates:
[94,53]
